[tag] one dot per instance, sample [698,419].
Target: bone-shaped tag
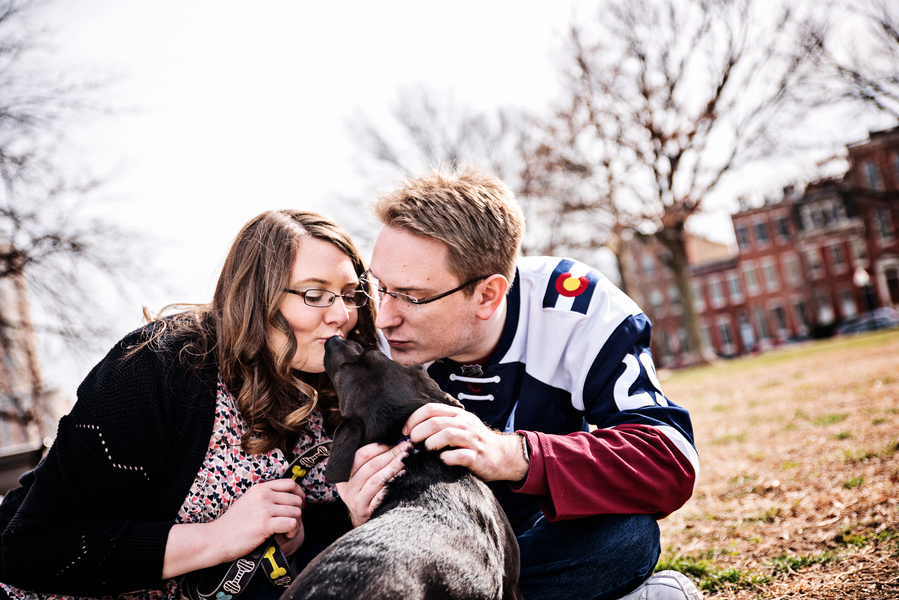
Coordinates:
[276,570]
[243,567]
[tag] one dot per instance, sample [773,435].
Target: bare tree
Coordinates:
[856,46]
[566,185]
[56,253]
[426,131]
[671,97]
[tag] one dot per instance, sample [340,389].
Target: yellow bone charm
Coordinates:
[276,570]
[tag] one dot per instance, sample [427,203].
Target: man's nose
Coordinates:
[388,314]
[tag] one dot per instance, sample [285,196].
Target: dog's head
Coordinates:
[376,395]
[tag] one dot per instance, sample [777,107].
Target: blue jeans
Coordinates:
[599,558]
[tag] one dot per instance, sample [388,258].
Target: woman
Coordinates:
[172,457]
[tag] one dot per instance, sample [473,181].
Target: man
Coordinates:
[535,348]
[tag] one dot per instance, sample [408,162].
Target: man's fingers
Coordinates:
[428,411]
[462,457]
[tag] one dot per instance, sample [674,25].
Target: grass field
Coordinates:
[799,483]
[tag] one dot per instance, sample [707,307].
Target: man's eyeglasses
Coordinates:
[405,302]
[324,298]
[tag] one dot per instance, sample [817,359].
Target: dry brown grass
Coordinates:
[797,495]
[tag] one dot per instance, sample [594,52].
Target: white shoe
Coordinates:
[666,585]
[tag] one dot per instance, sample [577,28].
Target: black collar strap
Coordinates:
[218,583]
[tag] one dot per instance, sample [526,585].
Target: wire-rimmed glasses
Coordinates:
[325,298]
[405,302]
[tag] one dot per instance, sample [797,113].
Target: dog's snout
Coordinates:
[338,351]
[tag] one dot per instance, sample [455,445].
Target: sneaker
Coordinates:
[666,585]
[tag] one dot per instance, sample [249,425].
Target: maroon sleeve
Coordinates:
[627,469]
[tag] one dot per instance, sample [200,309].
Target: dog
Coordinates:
[438,533]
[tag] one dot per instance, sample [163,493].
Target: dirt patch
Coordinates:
[799,483]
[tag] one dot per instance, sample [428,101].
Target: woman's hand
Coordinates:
[266,509]
[373,466]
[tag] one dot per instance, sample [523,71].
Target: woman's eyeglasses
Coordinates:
[324,298]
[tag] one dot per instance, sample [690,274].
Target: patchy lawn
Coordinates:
[799,482]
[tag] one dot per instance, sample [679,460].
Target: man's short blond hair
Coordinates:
[469,209]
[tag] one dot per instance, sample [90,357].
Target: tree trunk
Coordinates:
[696,352]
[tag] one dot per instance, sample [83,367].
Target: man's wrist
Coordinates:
[522,460]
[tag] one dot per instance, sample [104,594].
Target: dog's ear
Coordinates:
[453,402]
[347,439]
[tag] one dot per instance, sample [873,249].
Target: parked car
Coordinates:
[873,321]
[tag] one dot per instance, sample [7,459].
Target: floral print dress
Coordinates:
[226,474]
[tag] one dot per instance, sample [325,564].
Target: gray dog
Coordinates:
[438,533]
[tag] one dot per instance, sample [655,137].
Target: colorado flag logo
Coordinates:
[570,280]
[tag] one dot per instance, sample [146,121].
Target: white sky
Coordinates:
[241,107]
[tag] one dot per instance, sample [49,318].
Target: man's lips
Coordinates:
[397,343]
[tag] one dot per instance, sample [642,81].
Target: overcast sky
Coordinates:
[232,108]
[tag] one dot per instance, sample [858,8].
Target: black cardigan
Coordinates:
[100,505]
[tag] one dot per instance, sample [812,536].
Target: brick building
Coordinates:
[803,264]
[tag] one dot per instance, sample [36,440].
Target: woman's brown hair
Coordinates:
[235,328]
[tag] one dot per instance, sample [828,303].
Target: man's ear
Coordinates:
[490,294]
[347,439]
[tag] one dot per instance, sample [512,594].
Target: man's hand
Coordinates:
[373,466]
[491,455]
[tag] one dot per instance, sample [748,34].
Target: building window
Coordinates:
[833,212]
[846,300]
[859,253]
[813,266]
[734,287]
[743,237]
[664,357]
[698,298]
[793,271]
[769,273]
[649,267]
[656,300]
[762,235]
[716,293]
[674,299]
[823,307]
[872,175]
[891,275]
[782,227]
[726,337]
[761,323]
[883,224]
[706,333]
[817,217]
[779,316]
[801,316]
[681,337]
[838,259]
[753,285]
